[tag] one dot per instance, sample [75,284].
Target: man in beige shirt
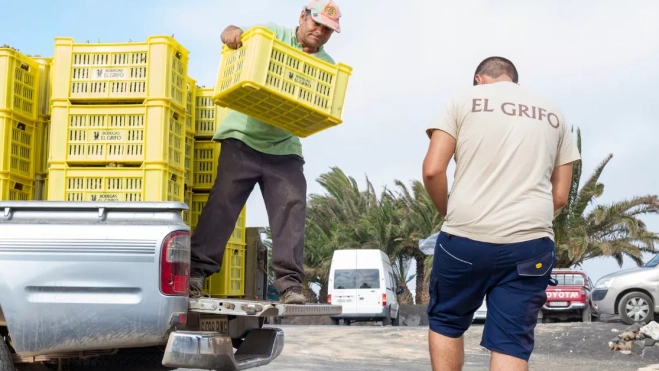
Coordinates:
[513,153]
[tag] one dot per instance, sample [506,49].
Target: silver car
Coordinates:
[631,293]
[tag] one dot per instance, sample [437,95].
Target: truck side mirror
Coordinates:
[400,290]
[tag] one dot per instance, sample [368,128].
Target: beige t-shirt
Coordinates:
[508,142]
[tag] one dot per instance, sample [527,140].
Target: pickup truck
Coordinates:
[84,284]
[570,298]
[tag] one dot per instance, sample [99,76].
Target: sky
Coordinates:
[597,60]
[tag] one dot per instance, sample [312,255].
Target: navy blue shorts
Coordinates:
[513,277]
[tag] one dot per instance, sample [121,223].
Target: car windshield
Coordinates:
[569,279]
[653,263]
[356,279]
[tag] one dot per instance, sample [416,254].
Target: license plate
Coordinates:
[214,324]
[558,303]
[344,300]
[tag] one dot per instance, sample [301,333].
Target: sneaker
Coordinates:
[292,295]
[196,286]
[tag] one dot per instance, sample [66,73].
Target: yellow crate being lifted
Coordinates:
[281,85]
[132,71]
[149,182]
[129,134]
[19,83]
[208,116]
[204,169]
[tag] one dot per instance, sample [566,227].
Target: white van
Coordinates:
[362,282]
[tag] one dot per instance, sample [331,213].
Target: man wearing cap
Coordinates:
[255,152]
[513,153]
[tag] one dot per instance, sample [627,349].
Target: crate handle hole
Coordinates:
[20,126]
[175,116]
[25,67]
[18,186]
[178,55]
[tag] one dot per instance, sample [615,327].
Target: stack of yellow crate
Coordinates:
[229,281]
[118,121]
[20,79]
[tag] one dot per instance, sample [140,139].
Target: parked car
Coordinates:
[481,313]
[631,293]
[362,282]
[571,298]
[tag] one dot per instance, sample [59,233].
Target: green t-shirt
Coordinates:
[257,134]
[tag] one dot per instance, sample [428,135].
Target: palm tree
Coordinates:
[613,230]
[420,220]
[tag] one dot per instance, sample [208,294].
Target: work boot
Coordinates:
[292,295]
[196,286]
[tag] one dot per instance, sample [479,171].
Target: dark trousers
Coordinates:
[284,189]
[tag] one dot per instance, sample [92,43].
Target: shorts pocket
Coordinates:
[533,274]
[452,266]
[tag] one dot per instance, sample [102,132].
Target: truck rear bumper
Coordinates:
[575,306]
[214,351]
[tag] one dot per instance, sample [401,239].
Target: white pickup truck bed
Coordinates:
[91,279]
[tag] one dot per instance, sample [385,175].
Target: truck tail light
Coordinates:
[175,264]
[329,299]
[384,300]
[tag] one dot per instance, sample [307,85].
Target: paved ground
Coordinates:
[560,346]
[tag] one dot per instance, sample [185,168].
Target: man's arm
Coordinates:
[561,180]
[440,152]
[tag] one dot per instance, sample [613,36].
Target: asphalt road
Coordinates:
[559,346]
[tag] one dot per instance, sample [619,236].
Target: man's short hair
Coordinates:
[495,67]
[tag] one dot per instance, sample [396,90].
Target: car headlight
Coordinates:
[604,283]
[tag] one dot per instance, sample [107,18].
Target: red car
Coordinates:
[571,298]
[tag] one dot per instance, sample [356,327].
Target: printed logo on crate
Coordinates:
[299,79]
[109,136]
[105,197]
[110,73]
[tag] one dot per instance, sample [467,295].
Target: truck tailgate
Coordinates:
[563,296]
[85,275]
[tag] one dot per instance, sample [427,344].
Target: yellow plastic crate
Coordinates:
[19,83]
[208,116]
[197,205]
[150,182]
[186,214]
[129,134]
[206,156]
[131,71]
[16,188]
[189,156]
[190,98]
[41,147]
[40,187]
[45,87]
[281,85]
[230,280]
[17,144]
